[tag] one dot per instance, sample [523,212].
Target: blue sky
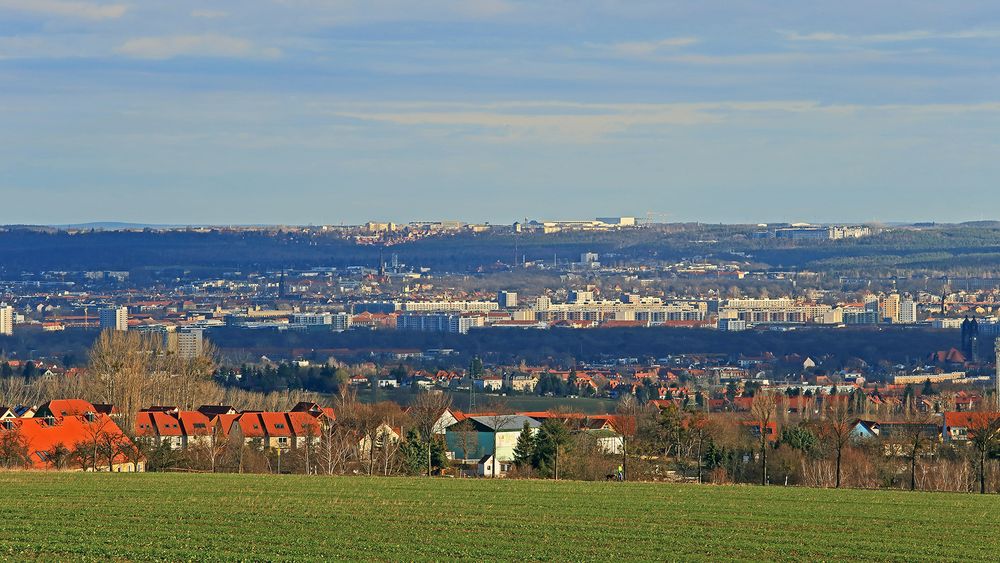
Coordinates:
[323,112]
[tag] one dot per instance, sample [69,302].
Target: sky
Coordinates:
[343,111]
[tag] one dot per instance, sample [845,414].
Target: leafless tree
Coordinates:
[761,412]
[984,436]
[13,450]
[837,430]
[425,412]
[628,413]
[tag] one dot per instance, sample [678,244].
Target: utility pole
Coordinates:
[996,380]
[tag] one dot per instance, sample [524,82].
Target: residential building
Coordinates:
[6,320]
[507,299]
[487,435]
[440,322]
[907,311]
[190,343]
[780,310]
[115,318]
[59,426]
[890,308]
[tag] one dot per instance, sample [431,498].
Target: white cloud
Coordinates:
[67,8]
[895,37]
[167,47]
[208,14]
[646,48]
[575,122]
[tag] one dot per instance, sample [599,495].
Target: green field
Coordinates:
[175,516]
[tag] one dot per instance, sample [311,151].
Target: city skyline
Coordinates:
[326,113]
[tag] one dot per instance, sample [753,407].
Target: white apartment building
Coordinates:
[649,309]
[115,318]
[190,343]
[439,322]
[907,311]
[779,310]
[448,306]
[507,299]
[6,320]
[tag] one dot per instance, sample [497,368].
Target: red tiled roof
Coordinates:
[67,407]
[969,419]
[43,434]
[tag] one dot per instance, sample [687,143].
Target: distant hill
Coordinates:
[982,224]
[117,226]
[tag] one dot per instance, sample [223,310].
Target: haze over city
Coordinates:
[499,280]
[487,110]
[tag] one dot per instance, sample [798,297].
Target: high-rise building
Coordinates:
[114,318]
[341,321]
[890,308]
[6,320]
[507,299]
[907,311]
[190,343]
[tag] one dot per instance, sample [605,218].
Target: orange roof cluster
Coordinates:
[162,422]
[50,428]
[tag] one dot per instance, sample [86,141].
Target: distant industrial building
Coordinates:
[810,232]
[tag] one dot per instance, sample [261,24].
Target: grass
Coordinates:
[58,516]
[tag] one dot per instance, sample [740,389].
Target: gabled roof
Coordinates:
[969,419]
[276,424]
[194,423]
[504,423]
[151,424]
[65,407]
[225,422]
[212,411]
[250,425]
[303,424]
[44,434]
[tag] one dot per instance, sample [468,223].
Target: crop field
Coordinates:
[59,516]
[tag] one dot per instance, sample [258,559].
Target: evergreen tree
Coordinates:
[476,370]
[524,450]
[551,438]
[799,438]
[928,388]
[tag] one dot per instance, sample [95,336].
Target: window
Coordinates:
[199,425]
[282,441]
[279,425]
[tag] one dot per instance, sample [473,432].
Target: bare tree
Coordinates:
[984,436]
[122,362]
[761,412]
[13,450]
[911,437]
[837,431]
[466,438]
[626,423]
[425,412]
